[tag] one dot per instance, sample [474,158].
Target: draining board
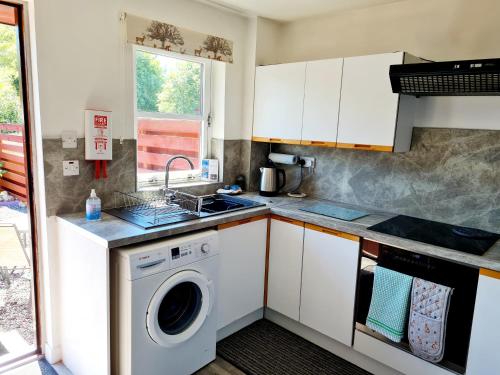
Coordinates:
[336,212]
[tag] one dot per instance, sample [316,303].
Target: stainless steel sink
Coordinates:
[220,203]
[158,208]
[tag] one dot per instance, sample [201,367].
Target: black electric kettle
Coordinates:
[269,179]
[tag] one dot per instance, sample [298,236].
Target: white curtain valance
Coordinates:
[168,37]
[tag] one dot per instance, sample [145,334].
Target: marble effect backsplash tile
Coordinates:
[239,157]
[450,175]
[228,152]
[66,194]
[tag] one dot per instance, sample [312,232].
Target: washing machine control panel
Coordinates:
[145,260]
[190,252]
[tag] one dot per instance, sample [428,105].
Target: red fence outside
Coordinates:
[159,139]
[12,156]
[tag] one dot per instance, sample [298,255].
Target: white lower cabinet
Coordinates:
[484,344]
[285,266]
[396,358]
[242,268]
[329,274]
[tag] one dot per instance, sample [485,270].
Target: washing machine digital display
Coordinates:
[175,253]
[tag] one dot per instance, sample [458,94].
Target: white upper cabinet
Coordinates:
[345,102]
[329,275]
[321,102]
[368,117]
[279,101]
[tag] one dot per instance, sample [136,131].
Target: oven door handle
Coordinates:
[368,255]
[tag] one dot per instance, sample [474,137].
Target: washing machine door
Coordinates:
[179,308]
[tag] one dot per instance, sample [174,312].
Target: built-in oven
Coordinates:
[461,278]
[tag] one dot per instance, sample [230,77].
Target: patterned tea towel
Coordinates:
[388,312]
[430,303]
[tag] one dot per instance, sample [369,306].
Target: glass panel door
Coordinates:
[18,328]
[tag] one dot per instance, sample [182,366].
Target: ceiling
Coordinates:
[290,10]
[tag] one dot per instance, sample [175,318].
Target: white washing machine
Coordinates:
[163,306]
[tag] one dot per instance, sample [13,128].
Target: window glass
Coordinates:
[168,85]
[170,117]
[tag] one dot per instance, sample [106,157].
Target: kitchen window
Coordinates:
[172,109]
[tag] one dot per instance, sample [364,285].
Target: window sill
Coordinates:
[193,183]
[180,185]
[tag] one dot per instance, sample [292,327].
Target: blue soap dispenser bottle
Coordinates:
[93,207]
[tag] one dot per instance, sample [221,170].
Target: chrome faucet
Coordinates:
[167,167]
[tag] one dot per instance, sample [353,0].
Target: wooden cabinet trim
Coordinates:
[489,273]
[287,220]
[333,232]
[266,271]
[355,146]
[260,139]
[318,143]
[276,140]
[241,222]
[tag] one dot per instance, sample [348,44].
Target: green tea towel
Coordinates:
[390,302]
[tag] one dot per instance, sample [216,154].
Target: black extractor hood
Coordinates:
[449,78]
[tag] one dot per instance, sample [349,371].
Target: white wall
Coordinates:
[82,58]
[262,43]
[268,41]
[248,95]
[469,112]
[218,98]
[438,30]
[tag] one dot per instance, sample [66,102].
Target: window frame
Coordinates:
[156,179]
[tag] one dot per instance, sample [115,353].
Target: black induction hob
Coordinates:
[468,240]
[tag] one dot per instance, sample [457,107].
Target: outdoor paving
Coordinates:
[17,331]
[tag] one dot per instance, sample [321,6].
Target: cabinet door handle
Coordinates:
[286,220]
[366,147]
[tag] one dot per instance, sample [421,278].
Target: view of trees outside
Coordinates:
[10,100]
[168,85]
[150,81]
[181,91]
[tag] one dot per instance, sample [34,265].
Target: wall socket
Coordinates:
[71,168]
[69,139]
[309,162]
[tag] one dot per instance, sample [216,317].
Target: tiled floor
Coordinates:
[219,367]
[33,368]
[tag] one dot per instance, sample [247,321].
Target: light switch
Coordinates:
[69,139]
[71,168]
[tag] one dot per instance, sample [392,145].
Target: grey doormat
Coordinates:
[265,348]
[46,368]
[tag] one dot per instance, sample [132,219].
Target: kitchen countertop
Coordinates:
[113,232]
